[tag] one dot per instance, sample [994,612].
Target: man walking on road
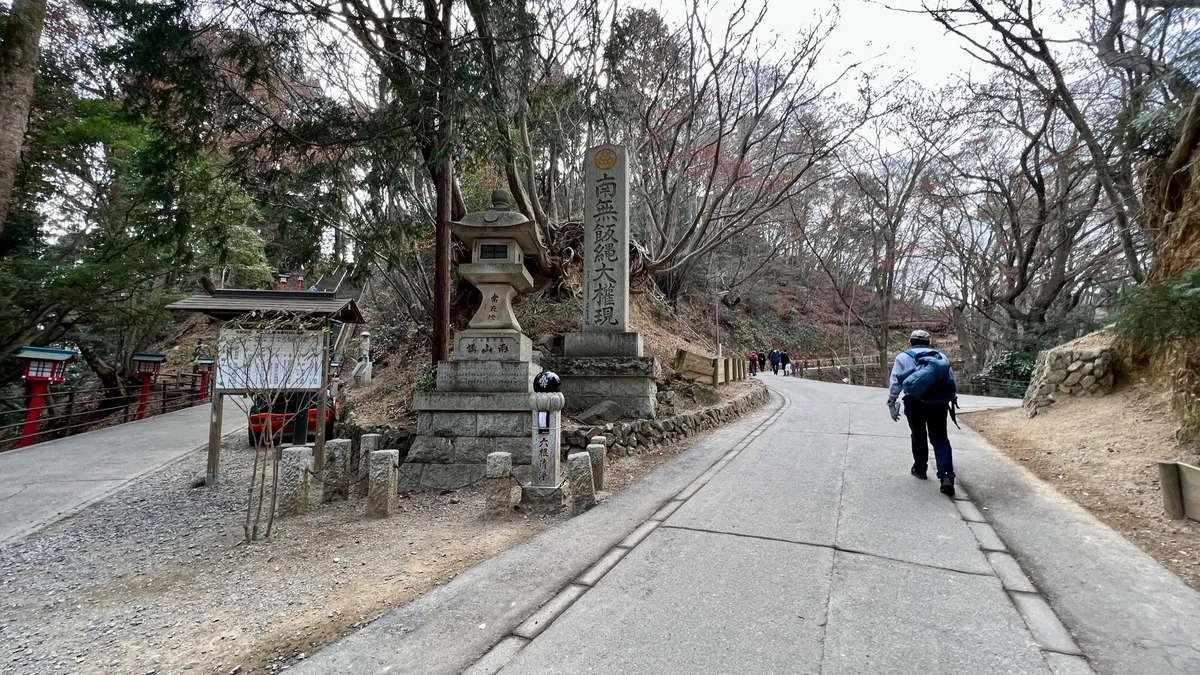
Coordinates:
[753,364]
[924,376]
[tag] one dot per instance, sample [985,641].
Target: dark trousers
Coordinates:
[927,421]
[753,367]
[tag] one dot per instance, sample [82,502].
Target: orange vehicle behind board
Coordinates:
[281,416]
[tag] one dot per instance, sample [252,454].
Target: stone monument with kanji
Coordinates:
[604,361]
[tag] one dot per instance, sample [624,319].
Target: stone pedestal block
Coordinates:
[293,482]
[334,478]
[483,344]
[367,444]
[543,499]
[629,381]
[598,454]
[602,344]
[583,489]
[498,491]
[485,376]
[381,486]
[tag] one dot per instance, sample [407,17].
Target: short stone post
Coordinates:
[546,470]
[367,444]
[583,490]
[334,476]
[381,482]
[293,482]
[597,450]
[498,491]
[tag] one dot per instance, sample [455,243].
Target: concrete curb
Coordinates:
[448,629]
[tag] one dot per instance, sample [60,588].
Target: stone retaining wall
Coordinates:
[446,462]
[629,438]
[1069,370]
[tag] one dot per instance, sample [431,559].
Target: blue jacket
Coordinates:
[904,366]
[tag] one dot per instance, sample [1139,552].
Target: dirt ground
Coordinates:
[1104,453]
[157,579]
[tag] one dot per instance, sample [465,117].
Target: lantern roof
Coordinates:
[203,361]
[47,354]
[153,358]
[499,220]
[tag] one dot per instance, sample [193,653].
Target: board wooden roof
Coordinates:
[230,303]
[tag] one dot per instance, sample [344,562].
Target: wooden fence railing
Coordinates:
[709,370]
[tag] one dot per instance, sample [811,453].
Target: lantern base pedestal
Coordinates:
[492,344]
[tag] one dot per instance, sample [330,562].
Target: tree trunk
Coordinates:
[444,189]
[18,66]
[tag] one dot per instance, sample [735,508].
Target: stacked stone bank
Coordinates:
[1083,367]
[633,437]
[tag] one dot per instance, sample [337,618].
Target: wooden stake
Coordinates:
[322,405]
[214,440]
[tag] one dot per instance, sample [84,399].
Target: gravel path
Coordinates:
[156,579]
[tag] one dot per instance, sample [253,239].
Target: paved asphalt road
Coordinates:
[811,551]
[47,481]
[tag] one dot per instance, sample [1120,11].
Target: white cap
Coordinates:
[920,335]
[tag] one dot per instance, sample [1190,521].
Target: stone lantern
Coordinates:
[499,239]
[43,366]
[146,366]
[481,401]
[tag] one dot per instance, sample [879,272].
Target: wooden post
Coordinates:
[299,421]
[322,405]
[1172,489]
[214,440]
[70,412]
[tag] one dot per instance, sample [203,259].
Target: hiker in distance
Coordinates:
[924,376]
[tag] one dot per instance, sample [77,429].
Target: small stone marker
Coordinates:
[583,490]
[367,444]
[335,474]
[606,239]
[598,452]
[381,480]
[498,491]
[293,482]
[546,467]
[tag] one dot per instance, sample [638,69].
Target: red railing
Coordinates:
[66,413]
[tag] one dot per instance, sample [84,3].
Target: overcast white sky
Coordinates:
[896,42]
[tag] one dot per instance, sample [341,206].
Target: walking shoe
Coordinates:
[919,473]
[948,486]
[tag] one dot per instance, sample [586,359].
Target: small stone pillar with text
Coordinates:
[545,488]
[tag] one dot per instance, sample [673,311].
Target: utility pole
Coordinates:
[717,319]
[444,188]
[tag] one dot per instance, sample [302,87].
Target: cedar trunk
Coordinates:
[18,66]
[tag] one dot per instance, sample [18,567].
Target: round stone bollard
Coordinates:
[334,483]
[498,490]
[381,482]
[598,452]
[294,470]
[583,490]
